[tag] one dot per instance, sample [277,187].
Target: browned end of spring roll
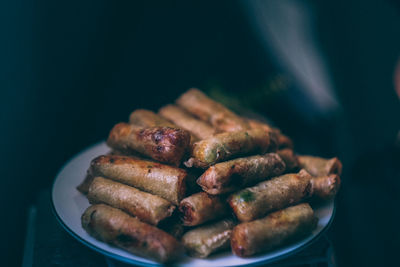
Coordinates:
[201,207]
[325,187]
[205,240]
[274,230]
[224,146]
[84,186]
[203,107]
[147,207]
[147,118]
[186,121]
[317,166]
[232,175]
[115,227]
[163,144]
[162,180]
[279,192]
[290,159]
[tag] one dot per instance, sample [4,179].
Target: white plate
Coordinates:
[69,205]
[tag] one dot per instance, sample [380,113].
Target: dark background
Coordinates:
[70,70]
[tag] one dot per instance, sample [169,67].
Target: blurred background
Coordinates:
[322,71]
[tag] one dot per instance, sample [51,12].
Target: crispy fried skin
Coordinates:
[201,207]
[162,180]
[317,166]
[115,227]
[279,192]
[232,175]
[147,207]
[325,187]
[273,230]
[203,107]
[164,144]
[204,240]
[147,118]
[224,146]
[290,159]
[186,121]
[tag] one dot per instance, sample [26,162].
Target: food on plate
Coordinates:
[290,159]
[185,120]
[115,227]
[147,118]
[164,144]
[317,166]
[202,207]
[325,187]
[147,207]
[203,107]
[228,145]
[235,169]
[205,240]
[162,180]
[272,231]
[235,174]
[255,202]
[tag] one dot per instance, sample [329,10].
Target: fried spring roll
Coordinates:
[290,159]
[272,231]
[225,146]
[147,207]
[232,175]
[317,166]
[325,187]
[203,107]
[255,202]
[163,144]
[162,180]
[204,240]
[186,121]
[147,118]
[201,207]
[115,227]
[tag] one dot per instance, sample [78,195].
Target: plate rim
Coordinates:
[132,261]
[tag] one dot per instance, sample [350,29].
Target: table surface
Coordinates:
[48,244]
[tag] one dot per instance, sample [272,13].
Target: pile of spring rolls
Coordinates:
[197,178]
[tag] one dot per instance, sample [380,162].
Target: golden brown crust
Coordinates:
[163,180]
[186,121]
[201,207]
[325,187]
[317,166]
[273,231]
[232,175]
[164,144]
[290,159]
[255,202]
[147,118]
[203,107]
[224,146]
[205,240]
[147,207]
[115,227]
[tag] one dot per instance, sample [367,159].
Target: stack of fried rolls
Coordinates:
[197,177]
